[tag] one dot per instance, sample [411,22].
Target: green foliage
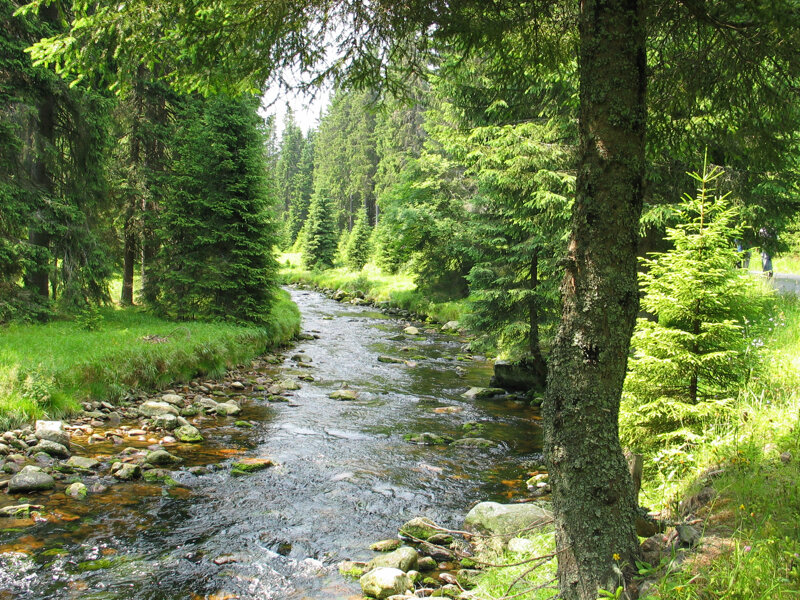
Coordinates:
[320,243]
[215,225]
[690,360]
[48,369]
[358,244]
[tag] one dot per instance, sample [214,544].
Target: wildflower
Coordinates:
[747,548]
[615,556]
[741,507]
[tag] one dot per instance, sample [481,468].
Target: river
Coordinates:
[345,477]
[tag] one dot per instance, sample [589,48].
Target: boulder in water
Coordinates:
[384,582]
[30,479]
[506,520]
[404,558]
[52,431]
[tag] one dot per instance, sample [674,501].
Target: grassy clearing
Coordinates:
[754,454]
[49,369]
[398,290]
[531,580]
[787,263]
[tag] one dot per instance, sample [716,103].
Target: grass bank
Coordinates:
[399,290]
[49,369]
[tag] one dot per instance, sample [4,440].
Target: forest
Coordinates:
[602,197]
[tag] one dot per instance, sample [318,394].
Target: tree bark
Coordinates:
[593,498]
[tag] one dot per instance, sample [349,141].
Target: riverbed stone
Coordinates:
[384,582]
[227,409]
[173,399]
[246,466]
[153,408]
[418,528]
[411,330]
[82,463]
[386,545]
[162,458]
[168,422]
[427,438]
[31,479]
[76,490]
[481,393]
[391,360]
[188,434]
[506,520]
[404,558]
[474,443]
[207,403]
[19,511]
[126,471]
[52,431]
[52,448]
[343,394]
[450,326]
[427,563]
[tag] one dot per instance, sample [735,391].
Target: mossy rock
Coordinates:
[247,466]
[418,528]
[427,439]
[54,552]
[351,570]
[159,476]
[245,424]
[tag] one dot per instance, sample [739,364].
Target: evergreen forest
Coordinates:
[599,198]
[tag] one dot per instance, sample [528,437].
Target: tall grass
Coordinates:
[49,369]
[398,290]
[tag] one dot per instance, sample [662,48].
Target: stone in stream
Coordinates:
[391,360]
[52,431]
[82,463]
[162,458]
[418,528]
[506,520]
[30,479]
[386,545]
[227,409]
[343,394]
[479,393]
[427,439]
[76,490]
[404,558]
[246,466]
[153,408]
[450,326]
[173,399]
[168,422]
[411,330]
[19,511]
[474,443]
[52,448]
[384,582]
[126,471]
[207,403]
[427,563]
[188,434]
[236,385]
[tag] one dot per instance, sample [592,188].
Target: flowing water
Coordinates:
[345,478]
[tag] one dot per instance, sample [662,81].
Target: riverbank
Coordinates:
[370,284]
[48,370]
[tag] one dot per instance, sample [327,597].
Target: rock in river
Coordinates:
[188,433]
[52,431]
[384,582]
[162,458]
[30,479]
[246,466]
[418,528]
[479,393]
[83,463]
[343,394]
[76,490]
[507,520]
[52,448]
[227,409]
[411,330]
[404,558]
[152,408]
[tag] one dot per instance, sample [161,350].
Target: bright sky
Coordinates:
[307,109]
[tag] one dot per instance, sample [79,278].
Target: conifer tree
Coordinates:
[358,244]
[692,356]
[319,250]
[216,230]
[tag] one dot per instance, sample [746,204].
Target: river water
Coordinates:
[345,478]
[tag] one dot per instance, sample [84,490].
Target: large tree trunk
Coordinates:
[592,490]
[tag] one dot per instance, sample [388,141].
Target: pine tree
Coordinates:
[358,244]
[217,233]
[319,250]
[693,355]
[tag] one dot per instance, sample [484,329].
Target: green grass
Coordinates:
[398,290]
[786,263]
[48,369]
[757,504]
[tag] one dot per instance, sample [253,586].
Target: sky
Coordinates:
[307,109]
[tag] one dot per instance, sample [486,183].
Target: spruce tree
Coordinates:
[319,250]
[691,357]
[217,234]
[358,244]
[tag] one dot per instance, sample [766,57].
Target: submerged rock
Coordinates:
[479,393]
[384,582]
[427,439]
[76,490]
[246,466]
[343,394]
[474,443]
[30,479]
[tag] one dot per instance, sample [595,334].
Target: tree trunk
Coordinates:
[593,499]
[539,364]
[128,265]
